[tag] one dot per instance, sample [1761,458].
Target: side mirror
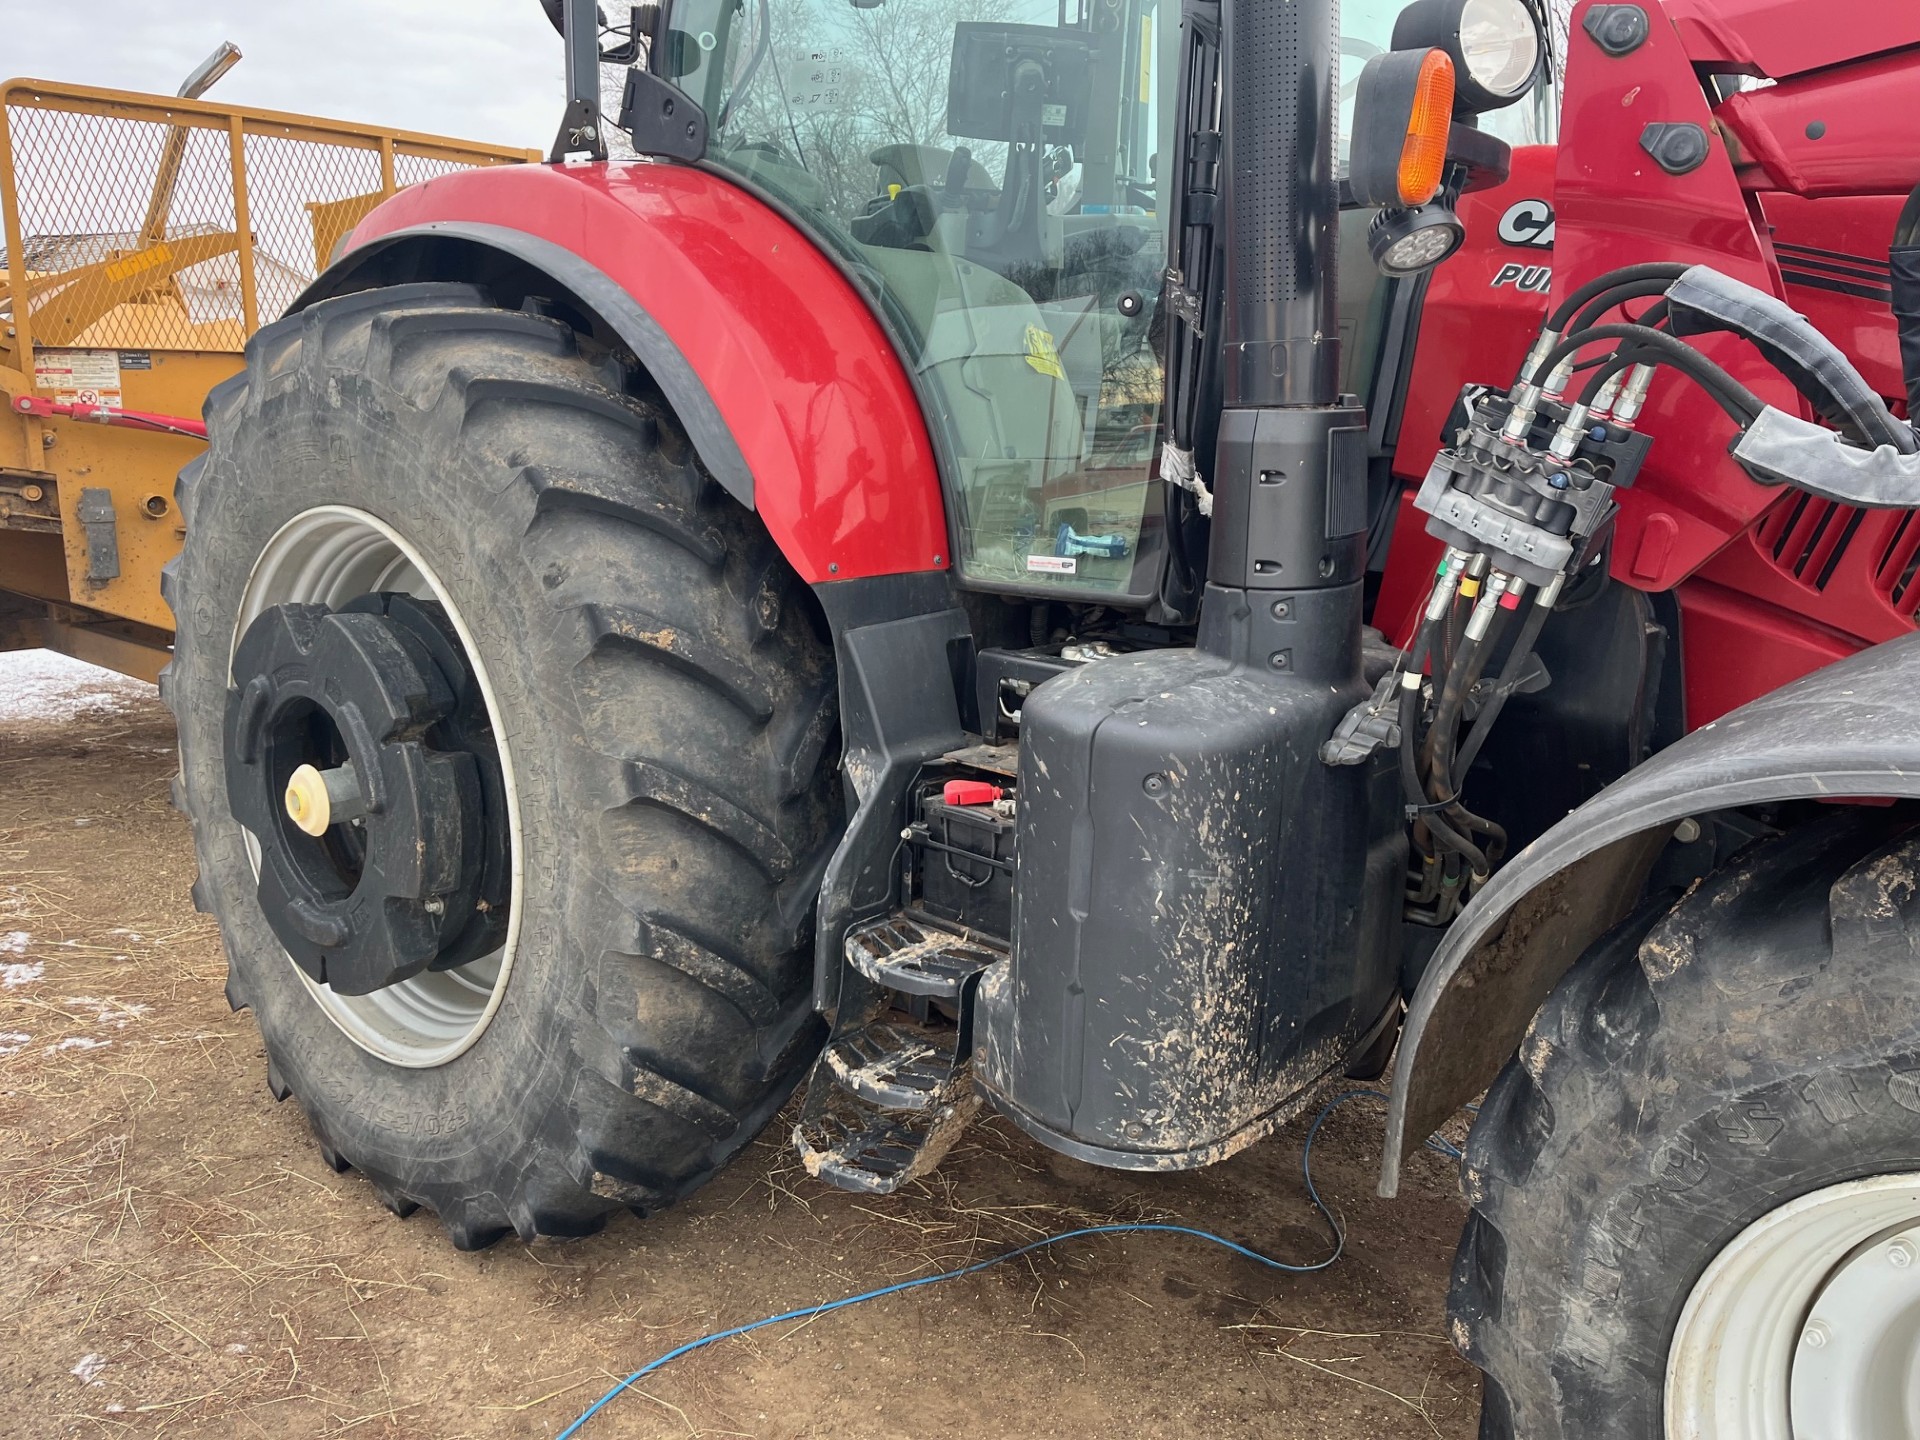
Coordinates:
[1495,46]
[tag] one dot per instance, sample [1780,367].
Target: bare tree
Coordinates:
[833,94]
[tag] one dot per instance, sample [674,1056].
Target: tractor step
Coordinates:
[894,1087]
[896,1067]
[854,1145]
[918,956]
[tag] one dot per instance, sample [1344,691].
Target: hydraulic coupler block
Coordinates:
[1529,486]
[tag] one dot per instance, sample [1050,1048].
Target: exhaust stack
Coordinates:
[1205,914]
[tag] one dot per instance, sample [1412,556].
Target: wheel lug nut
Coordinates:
[1900,1254]
[1815,1336]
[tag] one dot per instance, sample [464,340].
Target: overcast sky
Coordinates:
[475,69]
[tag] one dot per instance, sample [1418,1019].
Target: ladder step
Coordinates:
[850,1144]
[895,1067]
[918,957]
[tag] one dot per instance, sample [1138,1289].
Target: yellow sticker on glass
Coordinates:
[1042,354]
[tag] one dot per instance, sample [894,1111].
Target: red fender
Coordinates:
[809,399]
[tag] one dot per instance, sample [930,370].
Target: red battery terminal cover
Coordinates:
[970,792]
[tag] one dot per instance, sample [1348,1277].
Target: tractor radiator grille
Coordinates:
[1899,560]
[1847,556]
[1808,537]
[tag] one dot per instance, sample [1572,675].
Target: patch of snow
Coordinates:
[78,1042]
[17,973]
[12,1042]
[14,942]
[89,1369]
[43,685]
[117,1013]
[236,1348]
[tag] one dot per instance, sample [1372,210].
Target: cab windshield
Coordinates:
[996,173]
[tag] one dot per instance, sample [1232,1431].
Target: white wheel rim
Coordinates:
[330,555]
[1807,1325]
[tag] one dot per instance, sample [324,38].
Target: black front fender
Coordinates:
[1851,729]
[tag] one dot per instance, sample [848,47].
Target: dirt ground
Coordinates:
[175,1257]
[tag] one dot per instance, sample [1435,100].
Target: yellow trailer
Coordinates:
[146,237]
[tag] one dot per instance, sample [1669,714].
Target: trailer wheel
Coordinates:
[568,723]
[1696,1191]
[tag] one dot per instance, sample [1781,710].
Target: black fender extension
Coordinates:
[1846,730]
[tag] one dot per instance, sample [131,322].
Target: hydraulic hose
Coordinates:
[1443,737]
[1904,259]
[1504,687]
[1663,270]
[1611,366]
[1733,397]
[1616,295]
[1436,827]
[1461,677]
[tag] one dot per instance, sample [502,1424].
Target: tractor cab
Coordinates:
[997,177]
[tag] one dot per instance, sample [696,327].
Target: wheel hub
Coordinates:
[1856,1370]
[1806,1326]
[360,758]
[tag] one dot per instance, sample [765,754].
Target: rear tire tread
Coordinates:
[513,373]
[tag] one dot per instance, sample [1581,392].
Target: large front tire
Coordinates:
[1710,1125]
[665,708]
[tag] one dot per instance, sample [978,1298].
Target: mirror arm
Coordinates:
[580,125]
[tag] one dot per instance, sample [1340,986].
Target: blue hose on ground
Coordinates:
[808,1312]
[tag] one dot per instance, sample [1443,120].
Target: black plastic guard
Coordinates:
[1904,262]
[1846,730]
[1197,897]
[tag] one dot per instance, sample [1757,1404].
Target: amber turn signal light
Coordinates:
[1423,158]
[1403,109]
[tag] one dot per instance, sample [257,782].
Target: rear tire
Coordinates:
[665,694]
[1698,1069]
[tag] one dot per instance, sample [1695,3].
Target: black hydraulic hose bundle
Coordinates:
[1511,675]
[1619,295]
[1433,804]
[1664,271]
[1440,750]
[1904,258]
[1429,815]
[1739,402]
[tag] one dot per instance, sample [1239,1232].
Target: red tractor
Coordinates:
[922,589]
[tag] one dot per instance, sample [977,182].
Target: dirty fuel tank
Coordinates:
[1205,914]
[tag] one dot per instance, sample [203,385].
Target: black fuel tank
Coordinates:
[1205,914]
